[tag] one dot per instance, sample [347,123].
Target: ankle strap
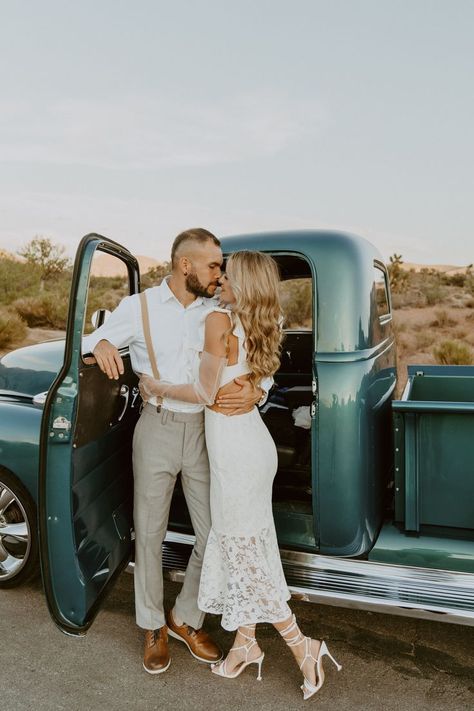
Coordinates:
[247,627]
[294,639]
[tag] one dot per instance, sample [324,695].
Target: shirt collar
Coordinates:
[166,295]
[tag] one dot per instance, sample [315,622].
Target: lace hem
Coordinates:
[242,579]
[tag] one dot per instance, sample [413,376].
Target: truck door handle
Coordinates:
[125,393]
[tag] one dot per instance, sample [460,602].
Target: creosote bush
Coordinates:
[45,311]
[12,327]
[453,353]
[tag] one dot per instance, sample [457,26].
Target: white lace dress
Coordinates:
[242,577]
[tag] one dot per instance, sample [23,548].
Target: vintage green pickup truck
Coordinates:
[373,499]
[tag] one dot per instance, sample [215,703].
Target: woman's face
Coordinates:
[227,295]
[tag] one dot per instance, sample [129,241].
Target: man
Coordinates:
[169,437]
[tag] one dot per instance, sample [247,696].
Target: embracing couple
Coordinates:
[204,365]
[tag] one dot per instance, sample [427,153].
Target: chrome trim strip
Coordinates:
[441,595]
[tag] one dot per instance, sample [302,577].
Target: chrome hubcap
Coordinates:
[15,535]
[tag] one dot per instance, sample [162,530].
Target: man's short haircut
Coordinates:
[196,234]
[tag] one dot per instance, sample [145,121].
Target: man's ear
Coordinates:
[184,265]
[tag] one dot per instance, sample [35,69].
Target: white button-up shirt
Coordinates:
[177,334]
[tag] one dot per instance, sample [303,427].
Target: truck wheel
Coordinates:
[18,536]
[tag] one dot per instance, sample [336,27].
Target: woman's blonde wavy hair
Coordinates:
[254,279]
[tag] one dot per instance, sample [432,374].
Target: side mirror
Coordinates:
[99,317]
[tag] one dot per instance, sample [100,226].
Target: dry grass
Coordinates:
[443,319]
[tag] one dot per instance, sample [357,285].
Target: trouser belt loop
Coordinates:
[164,415]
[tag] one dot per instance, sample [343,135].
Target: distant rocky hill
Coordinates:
[107,265]
[446,268]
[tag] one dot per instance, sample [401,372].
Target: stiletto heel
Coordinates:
[308,688]
[326,651]
[221,670]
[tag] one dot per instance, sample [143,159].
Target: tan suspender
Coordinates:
[146,333]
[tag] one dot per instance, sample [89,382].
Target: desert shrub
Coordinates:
[12,327]
[453,353]
[46,256]
[442,320]
[155,275]
[423,339]
[433,293]
[44,311]
[107,283]
[103,299]
[17,279]
[410,298]
[454,279]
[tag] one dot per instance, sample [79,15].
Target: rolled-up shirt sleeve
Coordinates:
[119,329]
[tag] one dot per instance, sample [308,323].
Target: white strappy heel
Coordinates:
[220,668]
[308,688]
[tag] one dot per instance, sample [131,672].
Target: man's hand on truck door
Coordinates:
[109,359]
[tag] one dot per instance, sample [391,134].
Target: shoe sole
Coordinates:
[200,659]
[157,671]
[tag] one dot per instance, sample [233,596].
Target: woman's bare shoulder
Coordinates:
[218,318]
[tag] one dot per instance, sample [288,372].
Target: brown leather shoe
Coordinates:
[198,642]
[156,658]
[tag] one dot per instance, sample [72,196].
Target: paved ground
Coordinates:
[390,663]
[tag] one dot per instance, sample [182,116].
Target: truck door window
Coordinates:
[108,284]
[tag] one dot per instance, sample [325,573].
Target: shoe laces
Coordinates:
[154,635]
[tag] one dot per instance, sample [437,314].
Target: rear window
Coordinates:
[297,301]
[381,291]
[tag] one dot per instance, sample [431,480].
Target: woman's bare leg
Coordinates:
[244,649]
[296,641]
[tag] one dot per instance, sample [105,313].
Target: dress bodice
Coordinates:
[230,372]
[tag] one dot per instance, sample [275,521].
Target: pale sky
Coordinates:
[140,119]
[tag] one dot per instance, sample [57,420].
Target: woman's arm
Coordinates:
[213,361]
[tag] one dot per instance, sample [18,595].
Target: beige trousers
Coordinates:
[165,443]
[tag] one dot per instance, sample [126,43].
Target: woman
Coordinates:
[242,577]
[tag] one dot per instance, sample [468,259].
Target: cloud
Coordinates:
[141,133]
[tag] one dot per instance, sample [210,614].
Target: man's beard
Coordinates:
[194,286]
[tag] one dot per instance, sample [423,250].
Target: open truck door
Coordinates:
[85,481]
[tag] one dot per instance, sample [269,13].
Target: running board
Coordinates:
[425,593]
